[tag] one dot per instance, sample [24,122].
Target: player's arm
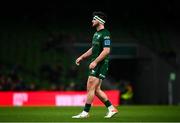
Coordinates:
[102,55]
[84,56]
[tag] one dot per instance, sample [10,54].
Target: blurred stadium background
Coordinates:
[39,42]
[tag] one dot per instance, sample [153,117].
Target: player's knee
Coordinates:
[97,91]
[91,85]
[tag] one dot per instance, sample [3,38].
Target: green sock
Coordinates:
[107,103]
[87,107]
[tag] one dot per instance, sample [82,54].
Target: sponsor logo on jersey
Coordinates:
[95,43]
[107,42]
[97,36]
[106,37]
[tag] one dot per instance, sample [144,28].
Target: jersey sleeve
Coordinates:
[106,40]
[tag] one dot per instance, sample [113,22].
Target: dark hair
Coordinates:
[100,14]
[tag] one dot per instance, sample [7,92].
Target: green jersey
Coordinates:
[100,40]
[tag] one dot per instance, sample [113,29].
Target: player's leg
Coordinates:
[103,97]
[92,84]
[101,75]
[99,93]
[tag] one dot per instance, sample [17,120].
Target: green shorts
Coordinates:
[100,71]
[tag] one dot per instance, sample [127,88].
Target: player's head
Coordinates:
[99,18]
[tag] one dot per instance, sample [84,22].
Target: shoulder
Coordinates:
[106,34]
[106,31]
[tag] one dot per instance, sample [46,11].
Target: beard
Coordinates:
[95,24]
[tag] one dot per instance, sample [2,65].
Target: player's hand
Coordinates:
[78,60]
[92,65]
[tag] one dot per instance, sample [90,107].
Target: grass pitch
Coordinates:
[64,114]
